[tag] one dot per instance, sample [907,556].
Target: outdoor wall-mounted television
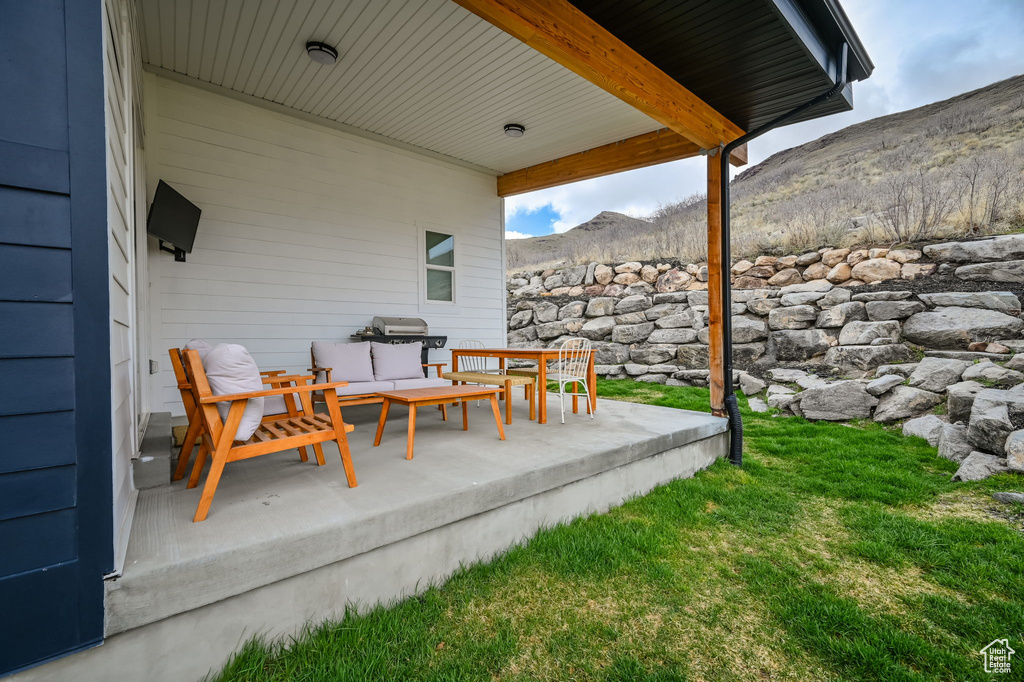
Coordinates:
[173,220]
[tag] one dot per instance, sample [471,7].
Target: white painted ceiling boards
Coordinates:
[423,72]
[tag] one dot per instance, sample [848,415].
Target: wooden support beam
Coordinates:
[716,309]
[565,34]
[641,151]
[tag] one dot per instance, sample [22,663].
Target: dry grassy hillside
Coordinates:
[951,168]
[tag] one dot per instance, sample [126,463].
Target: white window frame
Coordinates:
[422,229]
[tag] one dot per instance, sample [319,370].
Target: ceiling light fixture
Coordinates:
[515,130]
[321,53]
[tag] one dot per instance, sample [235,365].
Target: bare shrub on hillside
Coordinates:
[915,204]
[988,183]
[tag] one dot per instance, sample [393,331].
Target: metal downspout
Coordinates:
[731,406]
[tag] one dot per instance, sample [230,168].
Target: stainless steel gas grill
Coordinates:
[403,330]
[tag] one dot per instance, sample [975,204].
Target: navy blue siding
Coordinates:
[55,463]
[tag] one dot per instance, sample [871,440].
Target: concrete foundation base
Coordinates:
[166,633]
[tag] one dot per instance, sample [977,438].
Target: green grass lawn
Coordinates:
[835,553]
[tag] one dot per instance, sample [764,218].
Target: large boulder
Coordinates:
[748,329]
[928,427]
[993,374]
[863,333]
[883,384]
[746,354]
[694,355]
[597,328]
[792,317]
[763,306]
[841,401]
[660,310]
[550,330]
[868,296]
[960,399]
[682,319]
[839,273]
[603,274]
[893,310]
[876,270]
[953,444]
[520,319]
[841,314]
[803,298]
[632,333]
[1007,271]
[630,267]
[990,423]
[601,306]
[834,256]
[955,328]
[1006,247]
[677,335]
[611,353]
[651,355]
[815,285]
[1014,448]
[800,344]
[572,277]
[672,281]
[786,277]
[1002,301]
[545,312]
[903,402]
[849,359]
[816,271]
[571,310]
[935,374]
[978,466]
[633,304]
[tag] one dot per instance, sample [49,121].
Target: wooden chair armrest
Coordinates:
[308,388]
[271,372]
[319,369]
[288,379]
[436,365]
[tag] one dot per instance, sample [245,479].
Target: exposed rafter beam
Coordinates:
[644,150]
[560,31]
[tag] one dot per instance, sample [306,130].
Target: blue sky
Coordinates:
[923,50]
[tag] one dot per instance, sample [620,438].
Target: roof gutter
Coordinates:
[731,406]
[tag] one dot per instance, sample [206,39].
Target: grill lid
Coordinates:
[409,326]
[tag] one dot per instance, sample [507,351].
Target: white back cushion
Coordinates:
[396,361]
[230,369]
[348,361]
[202,347]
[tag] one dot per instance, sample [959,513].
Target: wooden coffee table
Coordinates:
[426,397]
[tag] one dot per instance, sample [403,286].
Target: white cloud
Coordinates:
[512,234]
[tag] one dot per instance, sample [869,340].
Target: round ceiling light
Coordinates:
[515,130]
[321,53]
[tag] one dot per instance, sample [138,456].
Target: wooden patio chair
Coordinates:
[218,436]
[273,378]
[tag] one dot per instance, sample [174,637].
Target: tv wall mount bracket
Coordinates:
[179,254]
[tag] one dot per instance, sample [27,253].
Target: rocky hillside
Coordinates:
[949,169]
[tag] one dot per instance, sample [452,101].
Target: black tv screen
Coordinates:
[173,218]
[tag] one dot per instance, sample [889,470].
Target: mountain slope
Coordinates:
[948,168]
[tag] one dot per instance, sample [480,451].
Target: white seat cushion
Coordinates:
[275,404]
[366,387]
[393,361]
[432,382]
[348,361]
[230,369]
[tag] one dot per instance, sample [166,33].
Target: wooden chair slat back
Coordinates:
[201,389]
[184,387]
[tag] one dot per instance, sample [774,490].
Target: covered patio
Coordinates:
[321,184]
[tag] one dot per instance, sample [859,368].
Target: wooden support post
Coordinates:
[716,270]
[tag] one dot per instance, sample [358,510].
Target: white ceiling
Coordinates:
[424,72]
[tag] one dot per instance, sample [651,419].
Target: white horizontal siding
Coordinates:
[307,233]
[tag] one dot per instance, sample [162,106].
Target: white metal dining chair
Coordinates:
[573,360]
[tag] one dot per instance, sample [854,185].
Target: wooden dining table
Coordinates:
[542,356]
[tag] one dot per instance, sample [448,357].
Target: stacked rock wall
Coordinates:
[650,321]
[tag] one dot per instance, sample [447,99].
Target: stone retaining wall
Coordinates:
[650,322]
